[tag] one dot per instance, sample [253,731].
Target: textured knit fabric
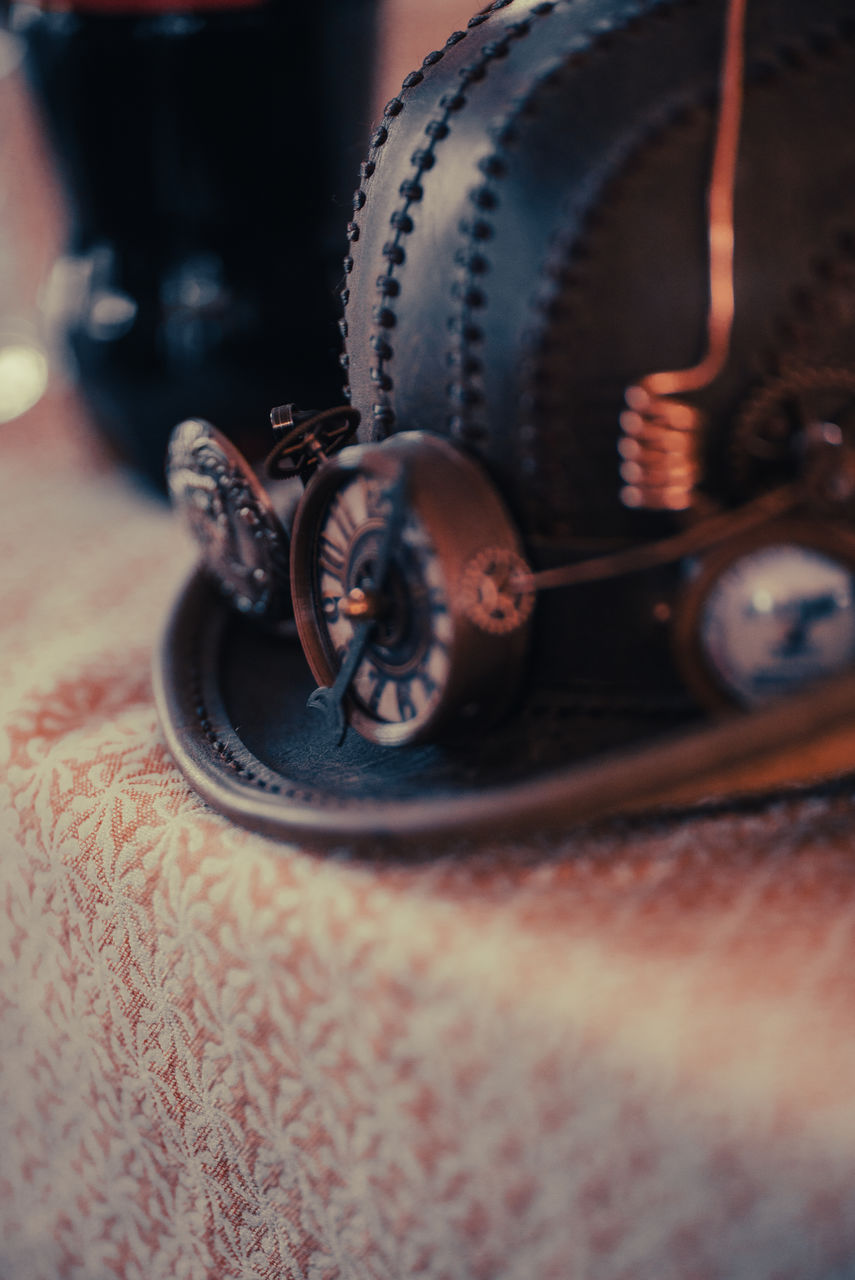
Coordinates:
[624,1054]
[627,1053]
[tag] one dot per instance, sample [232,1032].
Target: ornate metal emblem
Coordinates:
[243,542]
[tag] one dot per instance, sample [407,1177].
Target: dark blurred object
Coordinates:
[207,156]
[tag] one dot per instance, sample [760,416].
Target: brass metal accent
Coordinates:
[376,573]
[361,603]
[418,665]
[699,537]
[690,655]
[243,543]
[307,438]
[801,396]
[497,590]
[660,450]
[661,436]
[282,417]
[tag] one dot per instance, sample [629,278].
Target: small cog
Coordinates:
[787,416]
[497,591]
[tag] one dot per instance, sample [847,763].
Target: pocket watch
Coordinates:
[242,537]
[410,592]
[768,614]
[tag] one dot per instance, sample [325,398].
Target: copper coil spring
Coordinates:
[660,451]
[661,434]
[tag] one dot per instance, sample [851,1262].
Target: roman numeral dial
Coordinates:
[380,543]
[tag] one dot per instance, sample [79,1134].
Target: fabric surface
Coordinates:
[623,1054]
[626,1053]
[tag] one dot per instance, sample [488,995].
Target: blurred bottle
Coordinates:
[208,153]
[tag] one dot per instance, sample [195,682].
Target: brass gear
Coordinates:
[813,379]
[497,591]
[773,427]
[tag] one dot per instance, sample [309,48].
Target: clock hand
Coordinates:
[330,700]
[796,640]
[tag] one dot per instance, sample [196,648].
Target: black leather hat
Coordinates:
[547,330]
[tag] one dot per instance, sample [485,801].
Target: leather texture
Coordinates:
[231,699]
[530,240]
[560,153]
[626,1051]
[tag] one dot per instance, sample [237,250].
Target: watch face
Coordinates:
[405,665]
[243,542]
[405,569]
[777,618]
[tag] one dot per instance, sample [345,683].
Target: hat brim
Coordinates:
[231,698]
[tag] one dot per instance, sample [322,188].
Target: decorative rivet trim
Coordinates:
[394,252]
[411,190]
[483,198]
[423,160]
[389,287]
[493,166]
[381,346]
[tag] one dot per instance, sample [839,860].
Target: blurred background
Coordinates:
[175,184]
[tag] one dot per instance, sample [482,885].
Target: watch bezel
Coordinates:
[462,514]
[702,680]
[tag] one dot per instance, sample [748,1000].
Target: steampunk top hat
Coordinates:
[599,329]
